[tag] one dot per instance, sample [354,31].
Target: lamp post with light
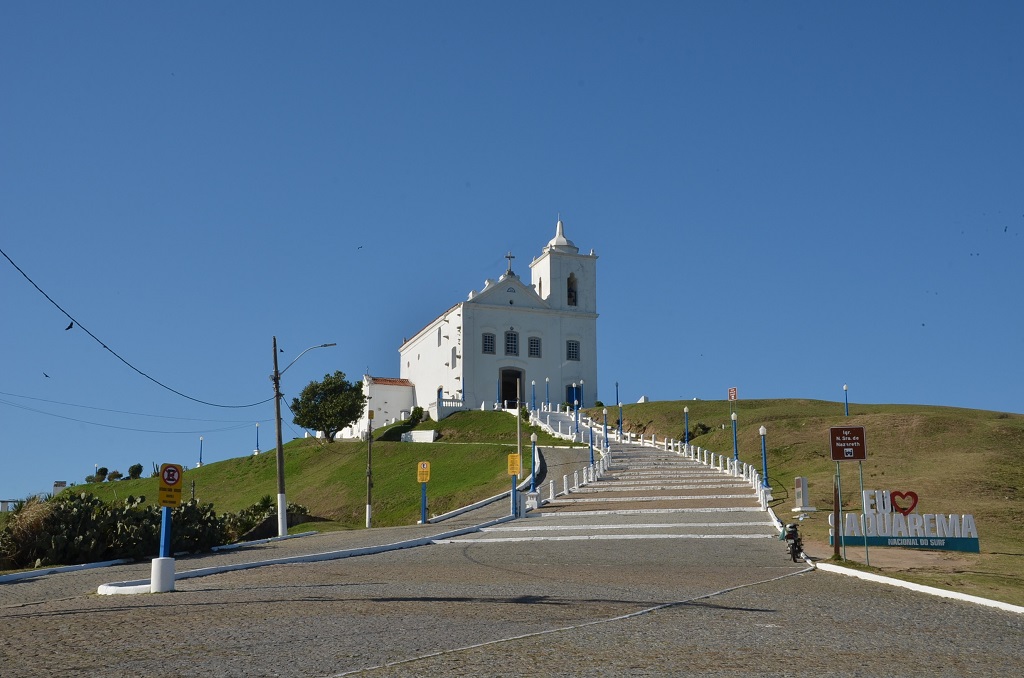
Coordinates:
[764,458]
[533,462]
[533,395]
[605,413]
[735,442]
[576,408]
[583,400]
[846,398]
[686,425]
[282,503]
[547,393]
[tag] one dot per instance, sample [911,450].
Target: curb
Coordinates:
[921,588]
[144,585]
[66,568]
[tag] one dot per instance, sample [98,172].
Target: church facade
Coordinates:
[510,341]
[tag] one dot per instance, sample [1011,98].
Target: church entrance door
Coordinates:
[509,394]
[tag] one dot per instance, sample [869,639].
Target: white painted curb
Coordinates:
[931,590]
[57,570]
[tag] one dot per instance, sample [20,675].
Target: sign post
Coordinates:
[423,477]
[162,572]
[848,444]
[513,470]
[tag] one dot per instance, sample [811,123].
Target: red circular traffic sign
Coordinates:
[171,476]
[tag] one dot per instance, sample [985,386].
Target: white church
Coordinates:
[511,341]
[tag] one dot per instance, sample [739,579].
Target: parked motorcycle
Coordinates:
[794,544]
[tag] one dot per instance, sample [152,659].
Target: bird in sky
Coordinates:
[70,325]
[46,375]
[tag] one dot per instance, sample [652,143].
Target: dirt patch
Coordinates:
[896,559]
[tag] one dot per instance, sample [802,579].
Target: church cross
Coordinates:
[510,257]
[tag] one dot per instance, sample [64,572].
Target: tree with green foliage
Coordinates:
[329,405]
[101,474]
[135,471]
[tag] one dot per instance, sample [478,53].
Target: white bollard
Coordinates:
[565,484]
[161,576]
[575,480]
[551,490]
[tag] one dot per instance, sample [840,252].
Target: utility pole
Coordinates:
[282,504]
[369,467]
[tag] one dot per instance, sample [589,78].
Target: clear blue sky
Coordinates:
[785,197]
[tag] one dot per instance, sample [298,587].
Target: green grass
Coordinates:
[956,460]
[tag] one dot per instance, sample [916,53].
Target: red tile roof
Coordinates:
[390,381]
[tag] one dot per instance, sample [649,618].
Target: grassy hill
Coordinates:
[956,460]
[469,462]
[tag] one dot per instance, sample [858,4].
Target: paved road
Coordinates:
[601,587]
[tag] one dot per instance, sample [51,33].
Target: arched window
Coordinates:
[570,286]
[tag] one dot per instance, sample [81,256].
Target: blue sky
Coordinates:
[785,197]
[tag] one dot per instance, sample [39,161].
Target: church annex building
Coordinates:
[540,338]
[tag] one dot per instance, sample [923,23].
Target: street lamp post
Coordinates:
[547,393]
[591,429]
[576,407]
[282,503]
[605,413]
[583,401]
[686,425]
[846,397]
[620,421]
[735,442]
[257,450]
[764,458]
[199,465]
[533,462]
[533,395]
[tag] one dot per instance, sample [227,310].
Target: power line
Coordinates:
[116,355]
[134,414]
[126,428]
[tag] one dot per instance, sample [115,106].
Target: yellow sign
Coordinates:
[423,472]
[513,464]
[170,485]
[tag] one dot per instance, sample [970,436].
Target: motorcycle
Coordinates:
[794,544]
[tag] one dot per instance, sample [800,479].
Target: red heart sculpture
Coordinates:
[910,496]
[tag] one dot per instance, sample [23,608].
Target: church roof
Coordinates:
[560,243]
[390,381]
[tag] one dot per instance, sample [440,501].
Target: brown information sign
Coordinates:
[848,443]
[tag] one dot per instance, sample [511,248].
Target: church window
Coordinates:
[534,347]
[572,350]
[511,343]
[488,343]
[455,358]
[570,285]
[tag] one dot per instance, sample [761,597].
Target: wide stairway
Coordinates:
[647,493]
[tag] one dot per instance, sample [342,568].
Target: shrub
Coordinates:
[81,528]
[135,471]
[416,416]
[243,522]
[114,475]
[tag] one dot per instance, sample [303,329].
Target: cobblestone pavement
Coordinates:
[589,607]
